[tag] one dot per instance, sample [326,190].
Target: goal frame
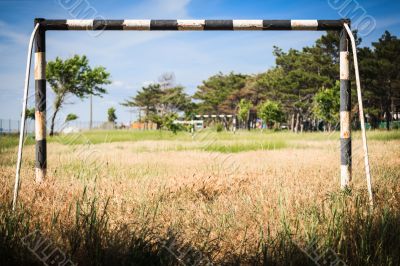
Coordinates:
[45,25]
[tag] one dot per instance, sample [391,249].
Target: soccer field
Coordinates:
[214,197]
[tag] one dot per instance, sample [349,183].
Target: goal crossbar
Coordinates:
[205,24]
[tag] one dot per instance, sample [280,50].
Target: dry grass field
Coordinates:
[156,198]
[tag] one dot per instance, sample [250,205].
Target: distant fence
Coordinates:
[10,126]
[83,125]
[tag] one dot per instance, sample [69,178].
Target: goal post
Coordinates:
[191,25]
[40,102]
[345,107]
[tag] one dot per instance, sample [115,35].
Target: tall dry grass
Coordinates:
[144,202]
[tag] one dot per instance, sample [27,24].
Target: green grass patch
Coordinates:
[260,139]
[109,136]
[384,135]
[245,146]
[11,140]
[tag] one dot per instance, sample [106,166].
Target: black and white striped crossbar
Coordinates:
[189,25]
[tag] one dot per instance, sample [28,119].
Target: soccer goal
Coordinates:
[342,26]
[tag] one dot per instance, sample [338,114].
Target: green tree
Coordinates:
[30,113]
[214,93]
[71,117]
[160,100]
[380,78]
[111,116]
[271,112]
[168,122]
[326,105]
[371,97]
[302,78]
[146,99]
[174,100]
[306,72]
[74,77]
[244,108]
[387,73]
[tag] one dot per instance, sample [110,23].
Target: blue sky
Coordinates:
[136,58]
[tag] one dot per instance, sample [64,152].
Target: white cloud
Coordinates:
[119,84]
[148,82]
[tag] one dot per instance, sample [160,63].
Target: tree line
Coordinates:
[300,91]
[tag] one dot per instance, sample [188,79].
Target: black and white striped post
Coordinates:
[345,106]
[192,25]
[40,102]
